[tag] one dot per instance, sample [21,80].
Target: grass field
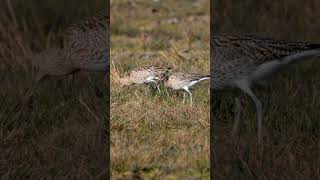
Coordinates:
[154,135]
[58,136]
[291,101]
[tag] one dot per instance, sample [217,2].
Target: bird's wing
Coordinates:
[86,44]
[89,27]
[230,53]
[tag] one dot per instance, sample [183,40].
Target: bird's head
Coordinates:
[125,81]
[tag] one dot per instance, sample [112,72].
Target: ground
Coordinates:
[154,135]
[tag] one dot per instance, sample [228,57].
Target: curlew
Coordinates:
[184,81]
[242,61]
[85,48]
[145,75]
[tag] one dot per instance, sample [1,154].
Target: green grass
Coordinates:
[154,135]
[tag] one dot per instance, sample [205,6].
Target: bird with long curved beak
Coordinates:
[145,75]
[85,48]
[239,62]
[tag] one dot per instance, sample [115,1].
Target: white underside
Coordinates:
[150,79]
[192,83]
[195,82]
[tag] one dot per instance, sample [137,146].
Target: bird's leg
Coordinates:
[237,113]
[184,97]
[158,87]
[190,96]
[244,86]
[155,82]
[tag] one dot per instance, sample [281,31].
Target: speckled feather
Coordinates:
[139,75]
[180,80]
[85,48]
[238,56]
[86,44]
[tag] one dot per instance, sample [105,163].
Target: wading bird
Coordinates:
[241,61]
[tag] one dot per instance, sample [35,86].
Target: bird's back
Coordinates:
[249,49]
[87,43]
[239,56]
[180,80]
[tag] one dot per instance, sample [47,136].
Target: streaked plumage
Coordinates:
[145,75]
[85,47]
[241,61]
[86,44]
[184,81]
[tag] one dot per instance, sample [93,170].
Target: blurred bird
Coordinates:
[242,61]
[85,48]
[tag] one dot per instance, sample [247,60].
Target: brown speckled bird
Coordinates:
[85,48]
[145,75]
[184,81]
[241,61]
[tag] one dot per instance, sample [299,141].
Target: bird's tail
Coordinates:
[202,78]
[312,52]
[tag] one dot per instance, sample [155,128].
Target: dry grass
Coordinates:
[154,135]
[59,136]
[292,101]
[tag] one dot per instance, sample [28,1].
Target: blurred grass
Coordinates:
[154,135]
[291,101]
[60,134]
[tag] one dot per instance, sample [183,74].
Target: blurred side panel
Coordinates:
[53,113]
[291,102]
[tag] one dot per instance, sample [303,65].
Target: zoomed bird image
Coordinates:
[243,61]
[160,89]
[265,85]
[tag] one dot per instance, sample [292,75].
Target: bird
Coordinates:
[184,81]
[241,61]
[145,75]
[85,48]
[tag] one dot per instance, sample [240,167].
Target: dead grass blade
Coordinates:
[114,73]
[89,110]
